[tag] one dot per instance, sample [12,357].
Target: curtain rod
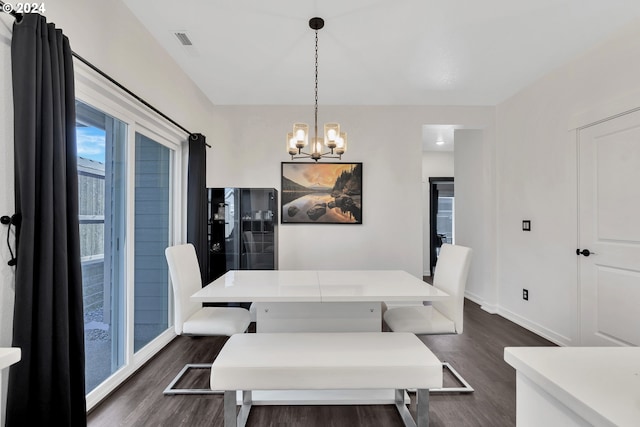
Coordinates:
[18,16]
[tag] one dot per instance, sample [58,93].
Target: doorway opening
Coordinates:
[441,215]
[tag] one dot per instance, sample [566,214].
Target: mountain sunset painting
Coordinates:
[321,193]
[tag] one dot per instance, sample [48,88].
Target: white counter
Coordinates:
[576,386]
[9,356]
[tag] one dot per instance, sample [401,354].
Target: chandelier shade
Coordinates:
[332,143]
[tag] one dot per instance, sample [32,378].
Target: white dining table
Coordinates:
[318,300]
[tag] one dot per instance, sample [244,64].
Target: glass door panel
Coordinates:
[101,141]
[152,228]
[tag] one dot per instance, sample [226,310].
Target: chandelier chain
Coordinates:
[316,107]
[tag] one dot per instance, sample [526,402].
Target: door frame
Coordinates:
[433,217]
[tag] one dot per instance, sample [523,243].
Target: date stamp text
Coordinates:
[23,8]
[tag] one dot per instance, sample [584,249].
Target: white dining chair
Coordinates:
[441,317]
[191,318]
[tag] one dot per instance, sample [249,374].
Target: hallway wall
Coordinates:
[537,180]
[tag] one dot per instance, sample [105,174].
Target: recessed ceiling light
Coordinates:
[440,142]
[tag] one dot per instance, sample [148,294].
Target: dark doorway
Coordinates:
[441,215]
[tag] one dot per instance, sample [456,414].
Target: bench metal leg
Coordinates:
[422,408]
[230,408]
[243,415]
[466,387]
[403,410]
[230,418]
[171,390]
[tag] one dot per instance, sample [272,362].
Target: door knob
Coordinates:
[585,252]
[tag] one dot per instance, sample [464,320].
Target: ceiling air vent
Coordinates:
[183,38]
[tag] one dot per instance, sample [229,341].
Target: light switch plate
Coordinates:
[526,225]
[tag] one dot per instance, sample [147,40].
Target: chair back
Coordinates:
[185,279]
[450,276]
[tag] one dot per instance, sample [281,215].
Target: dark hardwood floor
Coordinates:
[477,354]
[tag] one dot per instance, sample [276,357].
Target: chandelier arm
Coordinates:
[324,156]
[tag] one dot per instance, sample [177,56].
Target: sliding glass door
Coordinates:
[127,184]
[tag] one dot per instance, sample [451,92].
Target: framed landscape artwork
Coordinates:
[321,193]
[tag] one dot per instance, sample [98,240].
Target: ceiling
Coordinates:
[377,52]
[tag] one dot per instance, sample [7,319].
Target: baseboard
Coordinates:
[473,297]
[519,320]
[489,308]
[535,328]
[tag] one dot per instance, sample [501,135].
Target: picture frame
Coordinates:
[321,193]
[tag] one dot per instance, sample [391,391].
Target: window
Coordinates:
[129,176]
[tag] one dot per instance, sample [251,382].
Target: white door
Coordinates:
[609,228]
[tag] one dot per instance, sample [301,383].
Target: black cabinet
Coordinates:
[242,230]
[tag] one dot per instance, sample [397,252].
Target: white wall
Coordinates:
[536,157]
[472,216]
[434,164]
[249,147]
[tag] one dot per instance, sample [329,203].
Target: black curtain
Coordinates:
[47,386]
[197,202]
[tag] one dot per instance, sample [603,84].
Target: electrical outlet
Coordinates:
[526,225]
[525,294]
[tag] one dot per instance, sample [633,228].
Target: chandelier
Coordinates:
[334,140]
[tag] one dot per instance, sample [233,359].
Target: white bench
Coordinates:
[325,361]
